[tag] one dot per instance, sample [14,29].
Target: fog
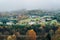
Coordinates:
[10,5]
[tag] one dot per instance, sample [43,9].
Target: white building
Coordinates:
[31,23]
[1,22]
[10,23]
[42,19]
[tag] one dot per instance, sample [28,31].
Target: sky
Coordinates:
[10,5]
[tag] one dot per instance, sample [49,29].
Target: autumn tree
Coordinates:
[14,37]
[57,35]
[11,37]
[18,35]
[31,35]
[42,24]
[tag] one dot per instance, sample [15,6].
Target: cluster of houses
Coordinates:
[7,21]
[42,19]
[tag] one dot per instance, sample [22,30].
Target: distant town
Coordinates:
[20,20]
[27,17]
[30,25]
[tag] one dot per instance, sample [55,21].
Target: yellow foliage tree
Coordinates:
[14,37]
[11,37]
[42,24]
[57,35]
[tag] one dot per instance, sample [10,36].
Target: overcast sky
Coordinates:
[9,5]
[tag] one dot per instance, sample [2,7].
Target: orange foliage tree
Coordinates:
[31,35]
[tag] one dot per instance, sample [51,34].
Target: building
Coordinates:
[10,23]
[1,22]
[31,23]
